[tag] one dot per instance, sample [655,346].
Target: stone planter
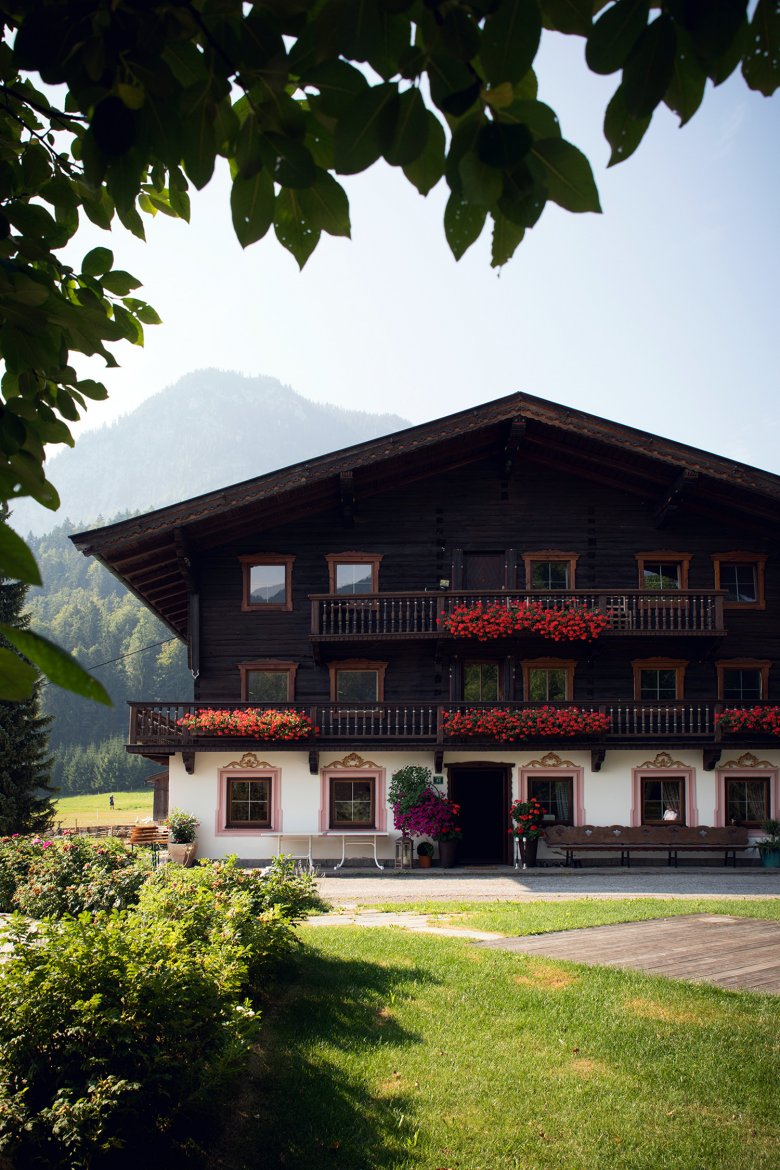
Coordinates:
[182,854]
[770,859]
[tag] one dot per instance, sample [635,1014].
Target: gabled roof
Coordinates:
[151,554]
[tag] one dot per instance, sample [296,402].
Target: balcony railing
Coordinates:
[422,724]
[421,615]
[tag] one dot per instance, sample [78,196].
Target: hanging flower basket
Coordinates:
[497,619]
[504,724]
[249,723]
[762,719]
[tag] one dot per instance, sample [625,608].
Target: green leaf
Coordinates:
[199,145]
[524,197]
[365,129]
[325,206]
[510,40]
[568,16]
[410,133]
[649,69]
[120,282]
[506,238]
[57,665]
[761,64]
[614,35]
[338,83]
[455,87]
[480,184]
[503,145]
[17,678]
[16,559]
[536,116]
[252,207]
[426,171]
[463,224]
[292,229]
[686,89]
[622,130]
[92,389]
[294,165]
[566,173]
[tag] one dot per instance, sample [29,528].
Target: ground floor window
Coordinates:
[249,800]
[663,800]
[352,803]
[556,795]
[747,800]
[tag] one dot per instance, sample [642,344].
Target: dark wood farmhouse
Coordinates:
[528,599]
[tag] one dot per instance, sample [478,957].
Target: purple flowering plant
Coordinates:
[433,816]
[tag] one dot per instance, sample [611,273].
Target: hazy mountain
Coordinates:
[210,429]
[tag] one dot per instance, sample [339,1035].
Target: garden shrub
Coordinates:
[17,854]
[115,1033]
[72,874]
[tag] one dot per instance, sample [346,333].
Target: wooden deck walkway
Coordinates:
[740,954]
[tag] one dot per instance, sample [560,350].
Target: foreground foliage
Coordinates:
[52,877]
[122,1032]
[290,93]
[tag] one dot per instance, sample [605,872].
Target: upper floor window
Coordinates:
[267,582]
[741,575]
[548,680]
[267,682]
[353,572]
[481,682]
[550,569]
[659,679]
[357,681]
[743,682]
[663,571]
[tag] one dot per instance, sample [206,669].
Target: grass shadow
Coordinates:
[300,1107]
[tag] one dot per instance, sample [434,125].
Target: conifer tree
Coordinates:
[25,802]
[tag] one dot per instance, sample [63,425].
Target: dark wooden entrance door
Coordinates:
[483,796]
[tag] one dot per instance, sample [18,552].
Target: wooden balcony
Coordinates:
[401,616]
[155,731]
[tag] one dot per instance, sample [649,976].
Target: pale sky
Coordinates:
[661,313]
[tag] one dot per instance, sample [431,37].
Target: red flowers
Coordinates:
[251,722]
[528,817]
[498,619]
[764,719]
[524,723]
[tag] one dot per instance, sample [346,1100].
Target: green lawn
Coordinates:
[93,809]
[394,1051]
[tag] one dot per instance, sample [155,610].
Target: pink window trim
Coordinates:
[225,774]
[380,808]
[576,774]
[686,774]
[724,774]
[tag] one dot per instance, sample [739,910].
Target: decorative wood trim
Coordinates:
[674,770]
[747,760]
[567,664]
[550,554]
[758,560]
[597,758]
[357,664]
[188,759]
[678,665]
[314,762]
[290,668]
[762,665]
[250,559]
[438,759]
[682,558]
[710,757]
[353,760]
[551,760]
[255,770]
[354,558]
[247,761]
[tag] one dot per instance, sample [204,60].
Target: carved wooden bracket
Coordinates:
[438,759]
[710,758]
[188,759]
[597,757]
[671,502]
[314,761]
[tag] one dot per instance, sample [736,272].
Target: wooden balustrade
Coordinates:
[420,615]
[421,723]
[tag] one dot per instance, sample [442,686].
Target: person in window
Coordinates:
[670,814]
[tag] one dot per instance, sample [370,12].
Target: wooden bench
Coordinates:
[670,839]
[150,837]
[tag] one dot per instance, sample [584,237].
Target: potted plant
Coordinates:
[182,838]
[769,847]
[425,854]
[404,792]
[434,816]
[528,828]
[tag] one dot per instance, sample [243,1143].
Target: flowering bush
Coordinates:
[76,874]
[434,816]
[527,815]
[252,722]
[763,719]
[499,619]
[523,723]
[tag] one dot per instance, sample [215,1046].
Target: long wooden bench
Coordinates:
[625,839]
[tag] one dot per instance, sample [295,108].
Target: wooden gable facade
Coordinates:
[332,590]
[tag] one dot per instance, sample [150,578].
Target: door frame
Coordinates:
[497,766]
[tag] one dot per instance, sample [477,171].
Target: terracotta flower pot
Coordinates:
[182,854]
[424,861]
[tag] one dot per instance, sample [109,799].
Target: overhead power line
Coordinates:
[130,654]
